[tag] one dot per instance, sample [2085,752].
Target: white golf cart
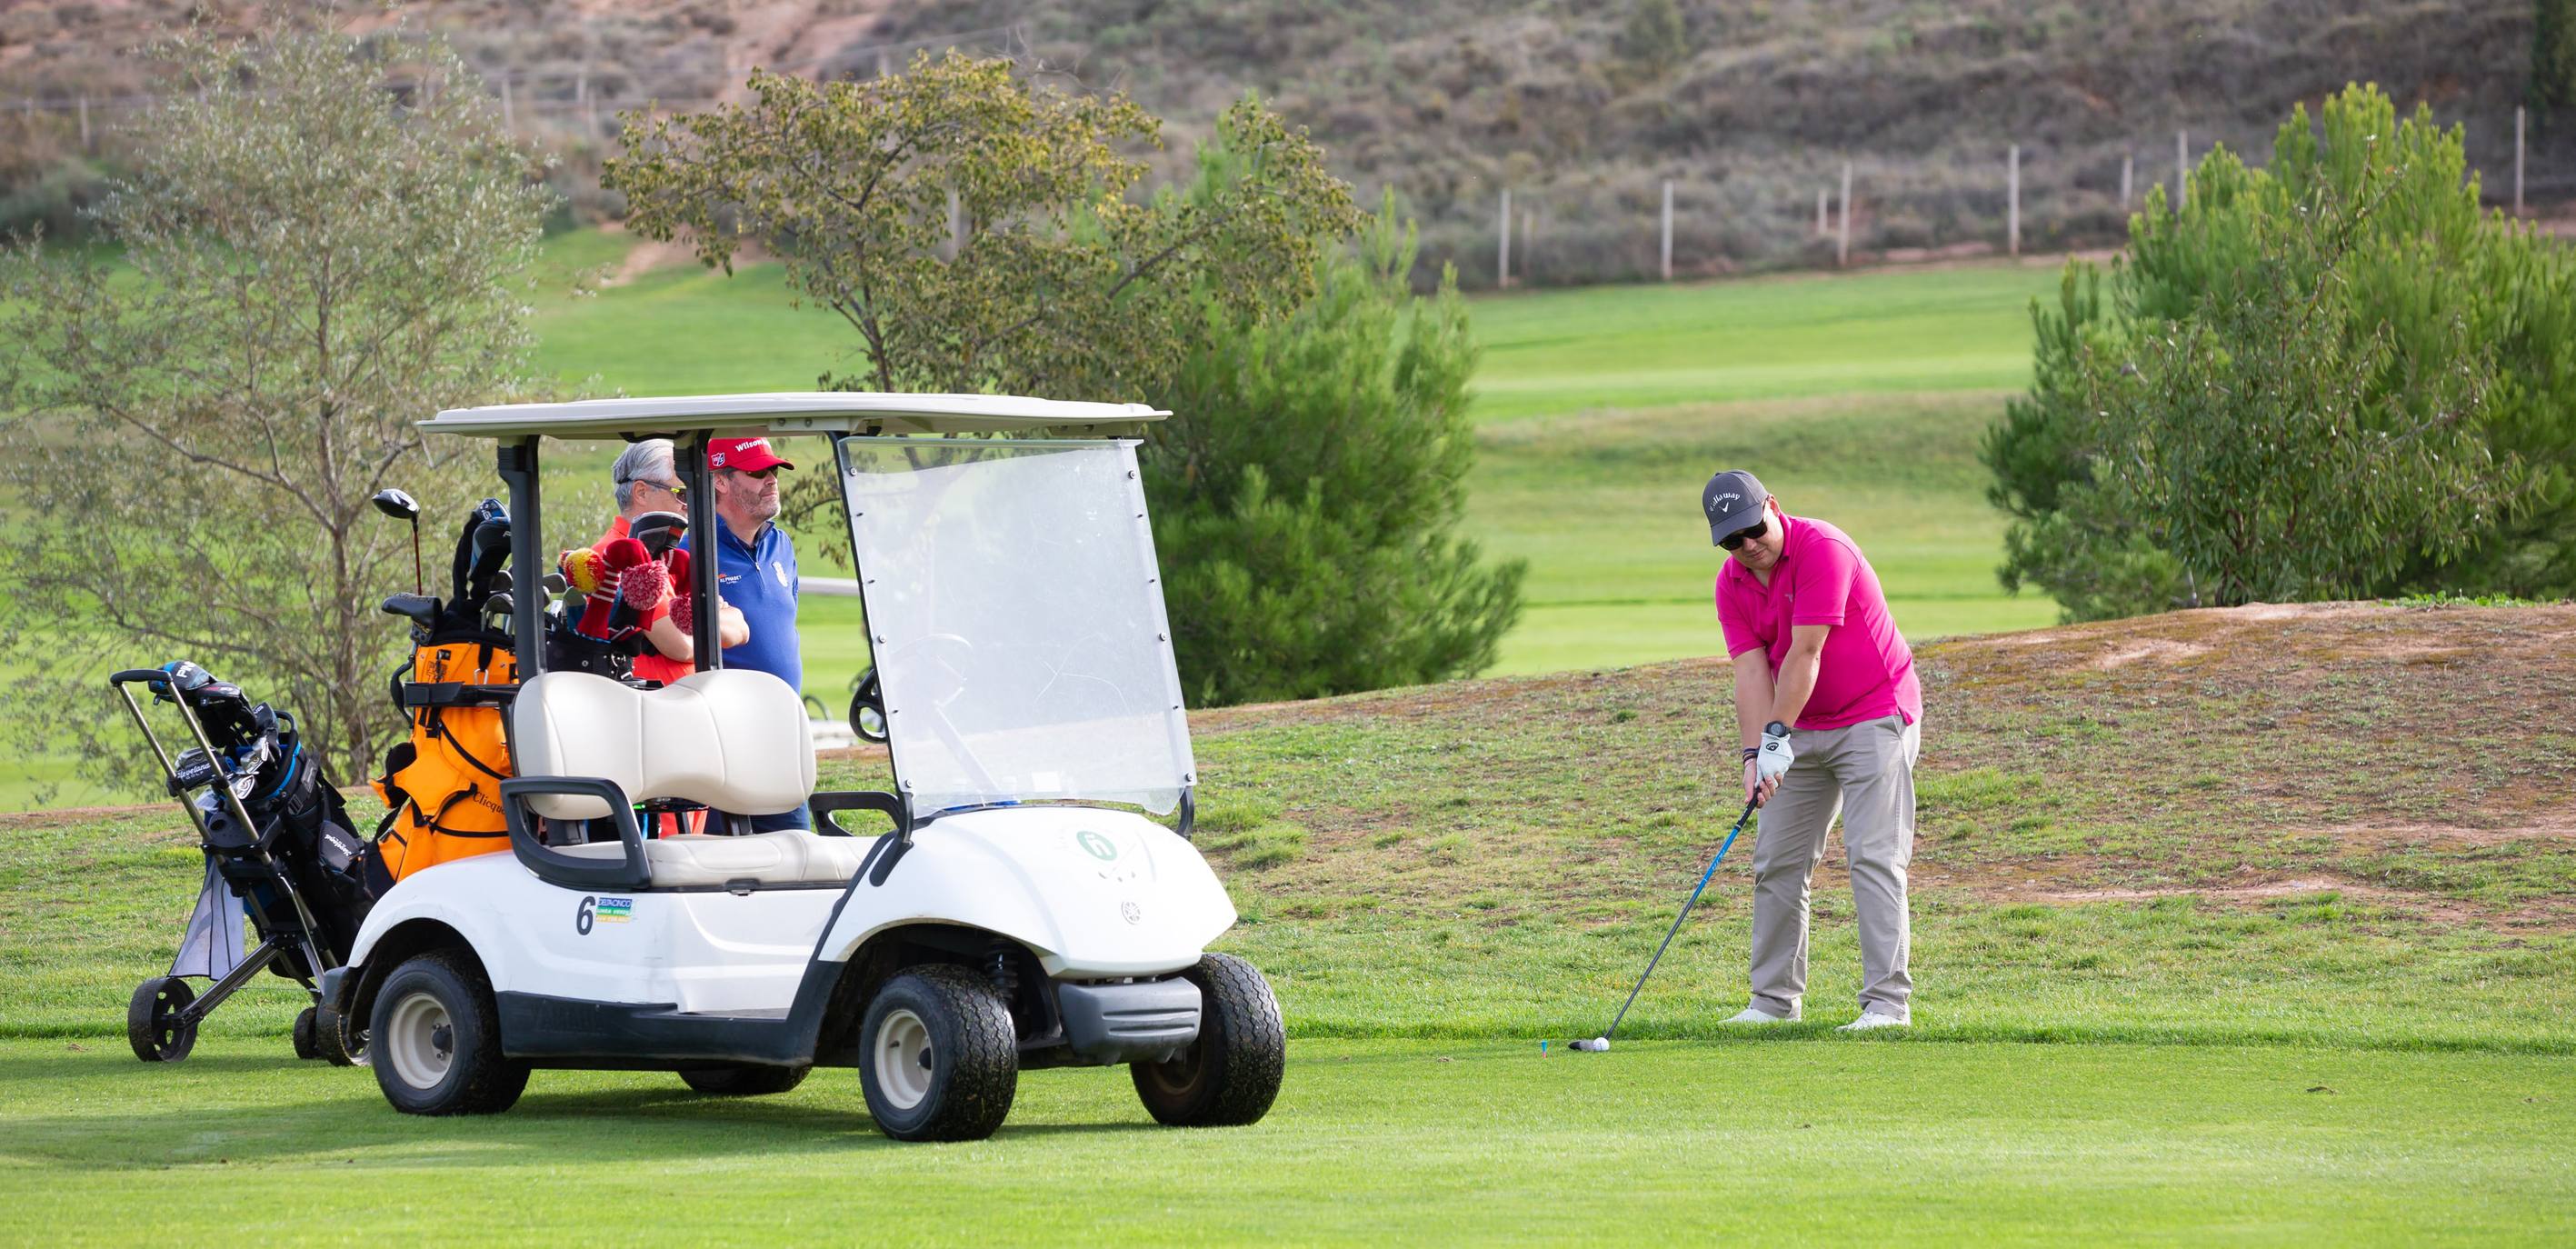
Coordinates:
[1021,911]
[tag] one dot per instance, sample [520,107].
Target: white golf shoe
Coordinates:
[1872,1019]
[1755,1014]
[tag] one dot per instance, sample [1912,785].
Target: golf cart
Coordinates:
[1015,907]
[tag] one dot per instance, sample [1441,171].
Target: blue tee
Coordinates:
[759,580]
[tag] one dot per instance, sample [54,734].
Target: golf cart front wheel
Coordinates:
[743,1079]
[308,1044]
[1230,1075]
[942,1060]
[436,1039]
[155,1020]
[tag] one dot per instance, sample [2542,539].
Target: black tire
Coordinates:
[154,1025]
[743,1079]
[332,1036]
[437,1040]
[951,1026]
[307,1044]
[1230,1075]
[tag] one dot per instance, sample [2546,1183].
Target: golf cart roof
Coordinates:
[784,413]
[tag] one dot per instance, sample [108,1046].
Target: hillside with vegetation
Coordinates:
[1583,109]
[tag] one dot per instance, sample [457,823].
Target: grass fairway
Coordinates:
[1858,397]
[1555,353]
[1372,1142]
[2323,999]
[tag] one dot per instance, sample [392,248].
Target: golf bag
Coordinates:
[442,784]
[279,854]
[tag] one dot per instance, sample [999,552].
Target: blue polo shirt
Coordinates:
[759,580]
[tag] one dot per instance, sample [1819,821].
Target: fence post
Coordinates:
[2128,171]
[1503,249]
[1842,246]
[2182,171]
[2517,160]
[1668,229]
[509,114]
[1529,237]
[86,146]
[2012,202]
[956,226]
[1824,219]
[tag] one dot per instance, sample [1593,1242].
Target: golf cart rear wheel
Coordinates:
[437,1040]
[1230,1075]
[154,1025]
[307,1045]
[743,1079]
[941,1061]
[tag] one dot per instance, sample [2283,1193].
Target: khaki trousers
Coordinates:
[1865,773]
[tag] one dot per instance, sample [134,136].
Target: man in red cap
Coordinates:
[756,570]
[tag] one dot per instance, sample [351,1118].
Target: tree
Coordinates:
[1307,489]
[2352,296]
[2553,54]
[1654,35]
[308,263]
[1064,282]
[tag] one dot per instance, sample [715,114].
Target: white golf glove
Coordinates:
[1775,755]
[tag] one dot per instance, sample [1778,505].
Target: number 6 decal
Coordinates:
[581,916]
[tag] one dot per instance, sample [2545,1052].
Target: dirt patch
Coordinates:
[2162,650]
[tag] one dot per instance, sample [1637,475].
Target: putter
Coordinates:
[401,506]
[1602,1042]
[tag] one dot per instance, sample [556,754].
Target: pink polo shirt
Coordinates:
[1867,671]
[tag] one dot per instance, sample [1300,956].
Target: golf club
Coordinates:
[1602,1042]
[402,506]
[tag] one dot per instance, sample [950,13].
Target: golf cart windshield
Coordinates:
[1016,615]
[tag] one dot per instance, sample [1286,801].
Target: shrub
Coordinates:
[2331,378]
[1307,491]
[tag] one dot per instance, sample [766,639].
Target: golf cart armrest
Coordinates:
[823,804]
[563,869]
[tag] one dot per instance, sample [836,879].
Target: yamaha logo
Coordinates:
[1135,914]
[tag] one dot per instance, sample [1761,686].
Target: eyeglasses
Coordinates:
[761,474]
[676,490]
[1742,536]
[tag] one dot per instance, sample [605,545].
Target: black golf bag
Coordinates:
[280,854]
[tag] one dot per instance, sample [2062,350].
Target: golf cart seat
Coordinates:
[735,740]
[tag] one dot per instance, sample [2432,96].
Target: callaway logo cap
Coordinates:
[743,455]
[1733,501]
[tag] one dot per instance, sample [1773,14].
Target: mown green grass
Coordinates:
[2113,1041]
[1558,353]
[1371,1142]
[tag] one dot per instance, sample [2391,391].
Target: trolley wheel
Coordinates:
[342,1043]
[307,1044]
[156,1024]
[867,709]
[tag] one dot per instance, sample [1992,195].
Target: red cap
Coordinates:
[746,455]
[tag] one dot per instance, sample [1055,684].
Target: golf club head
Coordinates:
[553,582]
[396,504]
[1594,1046]
[501,581]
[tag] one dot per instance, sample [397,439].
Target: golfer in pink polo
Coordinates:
[1831,719]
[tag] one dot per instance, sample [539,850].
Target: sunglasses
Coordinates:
[677,490]
[1742,536]
[762,474]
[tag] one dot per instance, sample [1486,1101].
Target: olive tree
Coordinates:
[325,241]
[979,231]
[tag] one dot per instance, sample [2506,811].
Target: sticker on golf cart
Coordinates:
[1098,846]
[601,911]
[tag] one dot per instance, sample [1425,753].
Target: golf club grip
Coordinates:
[1693,900]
